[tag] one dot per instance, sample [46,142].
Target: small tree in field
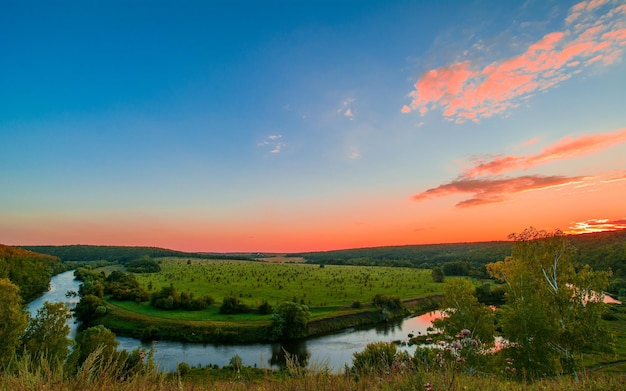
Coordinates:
[438,275]
[553,307]
[290,320]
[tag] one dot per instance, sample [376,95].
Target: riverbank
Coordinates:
[148,328]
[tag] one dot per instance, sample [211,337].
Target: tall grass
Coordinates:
[98,374]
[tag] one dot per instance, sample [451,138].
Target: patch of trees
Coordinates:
[124,287]
[392,303]
[168,298]
[143,265]
[232,305]
[30,271]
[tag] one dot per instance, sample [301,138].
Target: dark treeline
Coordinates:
[422,256]
[30,271]
[120,254]
[602,251]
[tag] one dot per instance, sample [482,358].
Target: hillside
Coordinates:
[122,254]
[27,269]
[602,250]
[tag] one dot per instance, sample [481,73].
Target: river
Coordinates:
[333,350]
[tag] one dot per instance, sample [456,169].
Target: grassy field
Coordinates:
[322,289]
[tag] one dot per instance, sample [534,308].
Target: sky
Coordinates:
[289,126]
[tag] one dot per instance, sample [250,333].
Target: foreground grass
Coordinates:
[89,377]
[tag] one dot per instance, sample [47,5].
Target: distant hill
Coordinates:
[27,269]
[602,250]
[122,254]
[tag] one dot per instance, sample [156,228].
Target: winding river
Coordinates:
[333,350]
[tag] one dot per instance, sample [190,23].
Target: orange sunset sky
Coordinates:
[310,125]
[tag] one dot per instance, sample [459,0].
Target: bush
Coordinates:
[232,305]
[265,308]
[377,358]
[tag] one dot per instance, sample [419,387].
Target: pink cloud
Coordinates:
[465,90]
[494,190]
[566,148]
[596,225]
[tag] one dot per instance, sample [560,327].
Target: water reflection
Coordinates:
[295,351]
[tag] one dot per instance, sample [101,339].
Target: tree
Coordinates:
[13,320]
[438,274]
[553,307]
[89,308]
[91,340]
[47,333]
[290,320]
[462,311]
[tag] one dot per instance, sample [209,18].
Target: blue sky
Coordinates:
[303,125]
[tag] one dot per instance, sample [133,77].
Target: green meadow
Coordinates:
[326,290]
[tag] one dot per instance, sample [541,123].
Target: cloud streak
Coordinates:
[485,182]
[495,190]
[594,31]
[566,148]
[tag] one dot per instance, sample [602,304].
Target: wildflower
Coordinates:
[466,332]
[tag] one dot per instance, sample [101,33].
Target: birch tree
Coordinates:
[553,306]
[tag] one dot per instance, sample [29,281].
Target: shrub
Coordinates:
[232,305]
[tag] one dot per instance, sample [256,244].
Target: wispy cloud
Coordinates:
[484,181]
[594,31]
[494,190]
[566,148]
[273,142]
[346,108]
[596,225]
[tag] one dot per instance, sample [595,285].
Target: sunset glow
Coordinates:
[311,125]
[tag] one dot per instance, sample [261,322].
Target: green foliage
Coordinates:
[232,305]
[392,303]
[13,320]
[378,358]
[236,363]
[30,271]
[168,298]
[553,308]
[46,336]
[89,308]
[437,274]
[94,339]
[265,308]
[490,295]
[124,287]
[462,311]
[290,320]
[143,265]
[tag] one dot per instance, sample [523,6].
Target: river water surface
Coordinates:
[333,350]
